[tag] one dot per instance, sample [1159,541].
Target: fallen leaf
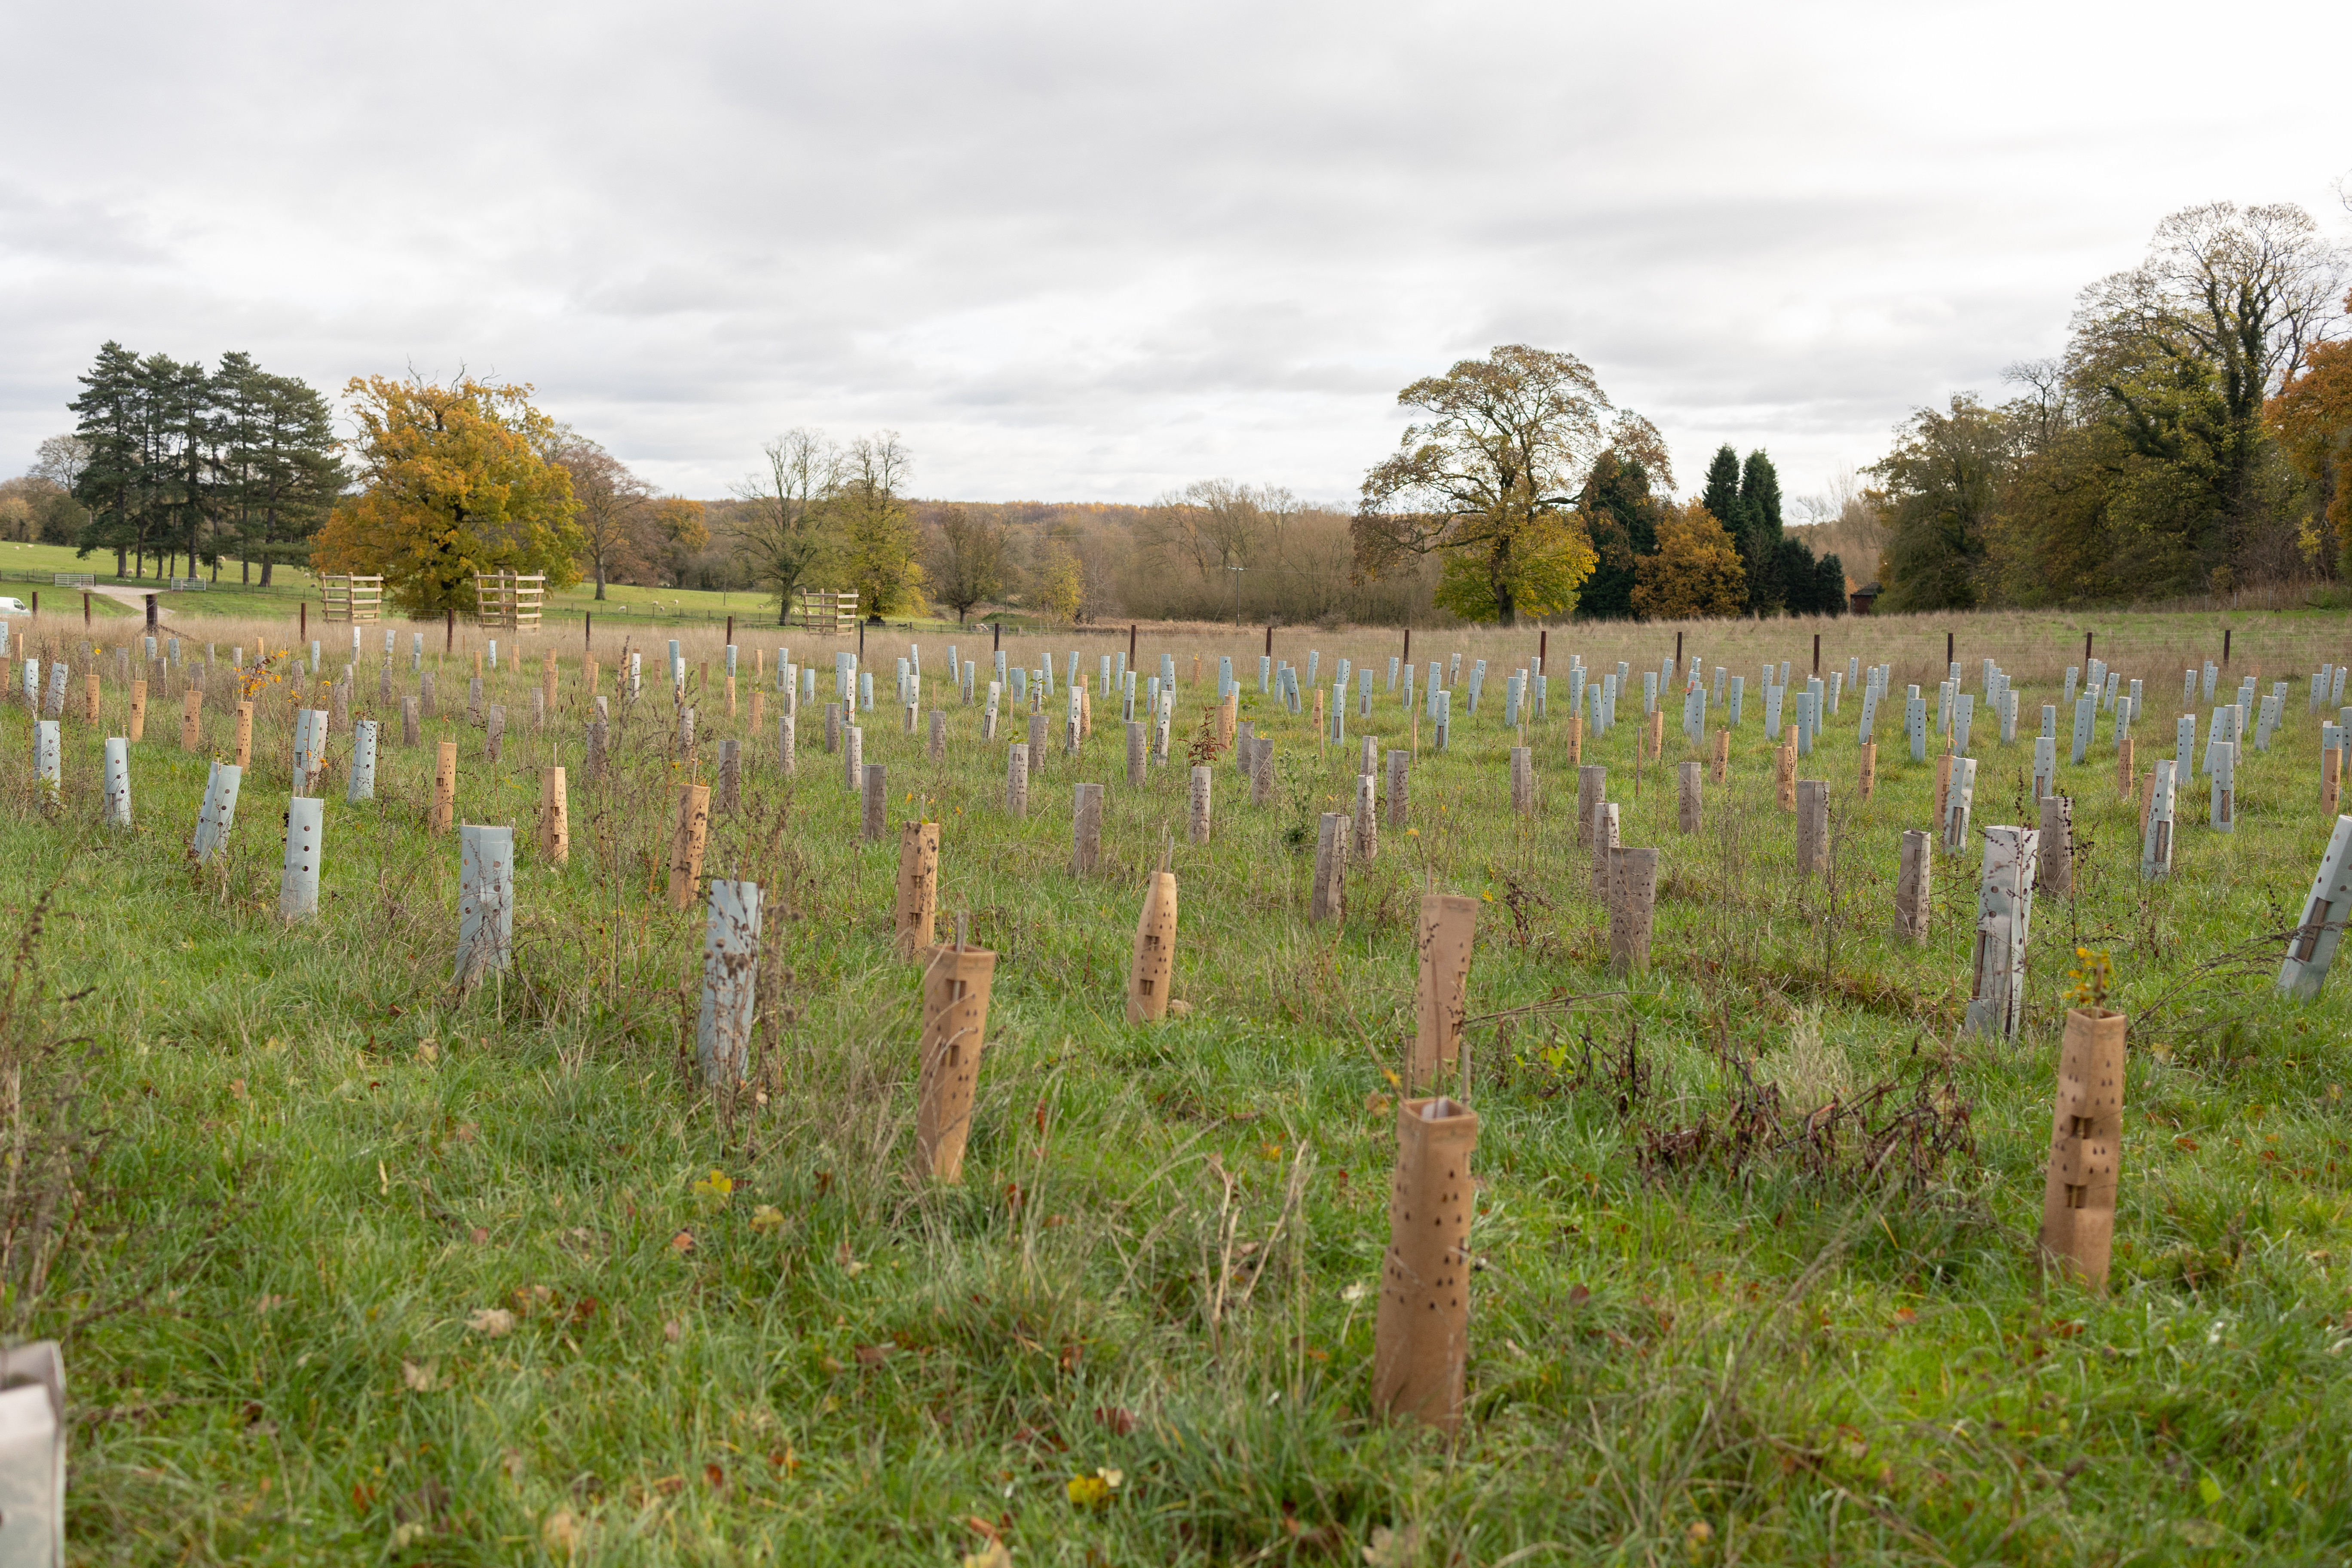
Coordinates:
[1356,1292]
[873,1355]
[268,1303]
[1116,1417]
[237,1088]
[767,1217]
[992,1555]
[682,1242]
[2184,1142]
[478,1235]
[672,1332]
[713,1476]
[1392,1548]
[492,1323]
[559,1532]
[467,1132]
[419,1378]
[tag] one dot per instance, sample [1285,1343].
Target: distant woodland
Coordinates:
[2194,438]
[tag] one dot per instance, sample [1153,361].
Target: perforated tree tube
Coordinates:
[1154,959]
[485,900]
[2078,1200]
[1421,1333]
[955,1023]
[298,881]
[731,971]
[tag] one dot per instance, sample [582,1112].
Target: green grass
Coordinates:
[319,1160]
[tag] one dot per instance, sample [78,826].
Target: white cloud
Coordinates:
[1092,252]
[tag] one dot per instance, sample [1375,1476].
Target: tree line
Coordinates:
[173,462]
[2190,439]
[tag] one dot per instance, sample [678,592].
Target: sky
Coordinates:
[1094,253]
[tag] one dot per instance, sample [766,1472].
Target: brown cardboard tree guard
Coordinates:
[90,697]
[1085,828]
[1262,771]
[1686,797]
[2124,769]
[1943,786]
[1575,738]
[1523,779]
[245,734]
[918,887]
[1016,780]
[192,724]
[689,832]
[1421,1333]
[1866,769]
[1399,762]
[955,1023]
[1813,827]
[2078,1199]
[1364,843]
[1198,823]
[1328,899]
[1592,788]
[1440,995]
[1722,755]
[2054,870]
[1913,885]
[1154,961]
[1603,839]
[445,789]
[2331,780]
[1633,901]
[554,817]
[1784,772]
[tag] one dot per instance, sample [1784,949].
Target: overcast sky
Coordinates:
[1091,252]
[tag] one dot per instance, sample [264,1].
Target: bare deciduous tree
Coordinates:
[615,511]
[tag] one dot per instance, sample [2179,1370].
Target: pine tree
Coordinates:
[1769,573]
[1623,520]
[110,410]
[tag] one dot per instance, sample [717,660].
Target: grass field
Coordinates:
[26,567]
[354,1266]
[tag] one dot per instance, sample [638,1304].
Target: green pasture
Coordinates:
[363,1269]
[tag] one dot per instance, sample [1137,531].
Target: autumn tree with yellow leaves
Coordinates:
[455,480]
[1696,573]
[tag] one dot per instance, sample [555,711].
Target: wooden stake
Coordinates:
[2078,1196]
[689,832]
[1154,960]
[445,789]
